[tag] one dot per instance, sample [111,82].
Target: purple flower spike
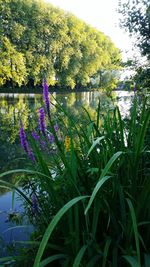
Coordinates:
[134,89]
[46,97]
[25,144]
[43,145]
[51,138]
[23,139]
[42,121]
[35,136]
[31,155]
[34,207]
[56,127]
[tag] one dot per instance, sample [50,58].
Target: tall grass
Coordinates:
[93,192]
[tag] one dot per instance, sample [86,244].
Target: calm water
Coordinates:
[21,107]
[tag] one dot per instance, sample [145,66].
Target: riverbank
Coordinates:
[52,89]
[38,89]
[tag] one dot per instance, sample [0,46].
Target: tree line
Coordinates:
[38,40]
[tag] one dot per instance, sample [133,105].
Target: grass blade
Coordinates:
[96,189]
[141,136]
[11,186]
[5,259]
[93,261]
[133,262]
[109,164]
[121,128]
[16,228]
[52,226]
[51,259]
[135,228]
[94,144]
[98,114]
[24,171]
[79,256]
[106,248]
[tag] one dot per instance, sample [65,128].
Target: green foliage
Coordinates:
[142,77]
[40,41]
[93,193]
[136,19]
[12,64]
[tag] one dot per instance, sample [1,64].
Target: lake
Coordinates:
[15,108]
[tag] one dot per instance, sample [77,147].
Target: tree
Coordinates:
[12,64]
[136,19]
[40,41]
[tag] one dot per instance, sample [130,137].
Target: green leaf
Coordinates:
[79,256]
[133,262]
[37,243]
[106,248]
[135,228]
[121,128]
[98,114]
[23,171]
[5,259]
[94,144]
[52,226]
[141,136]
[16,227]
[51,259]
[96,189]
[93,261]
[11,186]
[109,164]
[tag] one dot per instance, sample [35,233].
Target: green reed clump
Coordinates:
[89,189]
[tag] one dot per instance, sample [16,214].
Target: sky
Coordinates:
[102,15]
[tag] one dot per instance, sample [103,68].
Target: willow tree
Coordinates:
[40,41]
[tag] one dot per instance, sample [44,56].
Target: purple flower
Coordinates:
[46,97]
[42,121]
[31,155]
[43,145]
[35,136]
[51,138]
[23,139]
[134,89]
[56,127]
[25,144]
[34,207]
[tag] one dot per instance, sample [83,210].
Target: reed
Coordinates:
[92,190]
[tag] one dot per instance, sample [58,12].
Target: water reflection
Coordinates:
[8,230]
[124,100]
[15,108]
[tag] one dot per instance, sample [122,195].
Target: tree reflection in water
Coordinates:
[17,108]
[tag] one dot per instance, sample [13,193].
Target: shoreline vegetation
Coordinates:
[88,187]
[82,172]
[38,89]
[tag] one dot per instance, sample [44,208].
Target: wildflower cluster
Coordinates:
[41,135]
[42,124]
[25,143]
[91,167]
[67,143]
[46,97]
